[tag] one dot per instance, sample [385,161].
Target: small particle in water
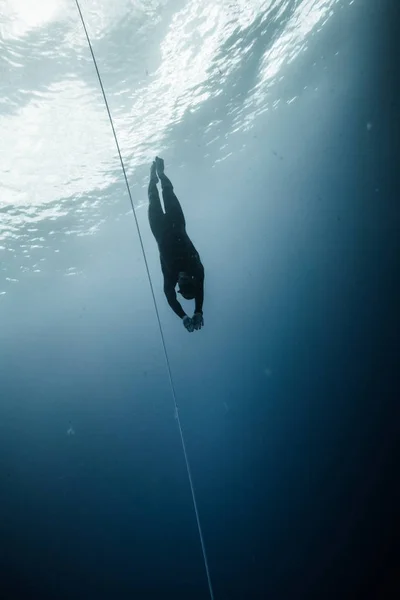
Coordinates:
[267,372]
[71,431]
[369,125]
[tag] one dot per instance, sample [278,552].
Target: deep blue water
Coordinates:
[279,124]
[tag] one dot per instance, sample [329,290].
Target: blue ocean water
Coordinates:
[275,119]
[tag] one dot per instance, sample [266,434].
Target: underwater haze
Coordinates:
[278,121]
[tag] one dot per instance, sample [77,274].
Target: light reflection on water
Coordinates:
[59,166]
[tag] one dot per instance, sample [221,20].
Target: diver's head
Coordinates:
[187,286]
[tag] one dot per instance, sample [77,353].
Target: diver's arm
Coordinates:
[199,298]
[169,291]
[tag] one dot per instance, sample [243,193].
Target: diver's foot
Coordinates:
[153,172]
[159,166]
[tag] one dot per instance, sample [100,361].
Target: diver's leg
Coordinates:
[156,213]
[172,205]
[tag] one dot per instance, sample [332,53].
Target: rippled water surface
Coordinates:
[174,72]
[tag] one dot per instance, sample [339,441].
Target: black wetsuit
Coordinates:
[177,252]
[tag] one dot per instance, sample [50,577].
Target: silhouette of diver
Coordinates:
[180,261]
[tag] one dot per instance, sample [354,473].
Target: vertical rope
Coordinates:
[189,474]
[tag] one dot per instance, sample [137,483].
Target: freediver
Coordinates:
[180,261]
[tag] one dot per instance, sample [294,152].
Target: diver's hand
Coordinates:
[198,321]
[188,323]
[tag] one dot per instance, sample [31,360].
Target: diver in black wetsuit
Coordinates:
[180,261]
